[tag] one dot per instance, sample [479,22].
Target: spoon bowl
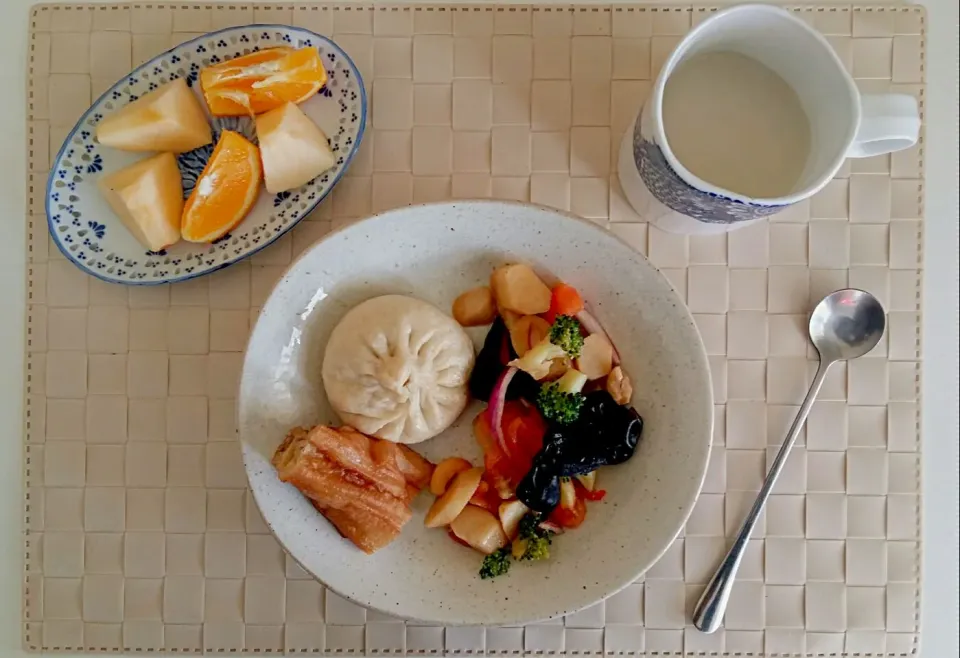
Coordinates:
[846,324]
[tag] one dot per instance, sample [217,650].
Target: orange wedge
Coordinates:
[224,192]
[262,81]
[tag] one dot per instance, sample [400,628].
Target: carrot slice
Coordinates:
[564,300]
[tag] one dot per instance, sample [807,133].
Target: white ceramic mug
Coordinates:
[843,123]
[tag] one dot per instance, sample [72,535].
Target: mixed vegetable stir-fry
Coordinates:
[557,410]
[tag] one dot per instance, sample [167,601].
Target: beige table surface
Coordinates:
[940,331]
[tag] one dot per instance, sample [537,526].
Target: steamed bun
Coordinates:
[397,368]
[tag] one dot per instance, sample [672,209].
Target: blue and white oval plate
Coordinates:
[91,236]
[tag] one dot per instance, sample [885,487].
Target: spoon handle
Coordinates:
[713,602]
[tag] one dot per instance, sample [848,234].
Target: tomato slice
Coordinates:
[569,518]
[483,433]
[486,497]
[523,431]
[594,496]
[499,468]
[586,494]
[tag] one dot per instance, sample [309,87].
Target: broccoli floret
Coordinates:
[562,400]
[528,528]
[563,341]
[496,564]
[565,333]
[537,549]
[532,542]
[560,407]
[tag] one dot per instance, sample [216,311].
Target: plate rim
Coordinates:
[700,357]
[361,131]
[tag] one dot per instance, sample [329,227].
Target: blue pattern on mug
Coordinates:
[675,193]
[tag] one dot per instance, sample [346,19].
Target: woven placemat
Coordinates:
[140,535]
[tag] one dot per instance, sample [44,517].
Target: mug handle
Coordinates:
[888,123]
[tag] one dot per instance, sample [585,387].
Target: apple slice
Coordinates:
[168,118]
[293,149]
[148,198]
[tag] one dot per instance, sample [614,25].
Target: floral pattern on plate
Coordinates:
[91,236]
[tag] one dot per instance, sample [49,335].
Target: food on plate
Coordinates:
[475,307]
[147,196]
[293,149]
[446,471]
[452,501]
[613,431]
[261,81]
[479,529]
[511,513]
[557,411]
[416,469]
[517,288]
[560,401]
[562,343]
[225,191]
[496,351]
[496,564]
[564,300]
[533,539]
[362,485]
[588,480]
[397,368]
[596,357]
[619,386]
[527,331]
[169,118]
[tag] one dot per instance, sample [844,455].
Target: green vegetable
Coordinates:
[532,539]
[496,564]
[527,527]
[565,333]
[537,549]
[562,400]
[560,407]
[564,340]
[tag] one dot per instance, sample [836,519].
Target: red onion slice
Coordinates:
[498,398]
[593,326]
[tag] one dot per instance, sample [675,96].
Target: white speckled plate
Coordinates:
[94,239]
[436,252]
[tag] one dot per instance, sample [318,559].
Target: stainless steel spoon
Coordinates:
[845,325]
